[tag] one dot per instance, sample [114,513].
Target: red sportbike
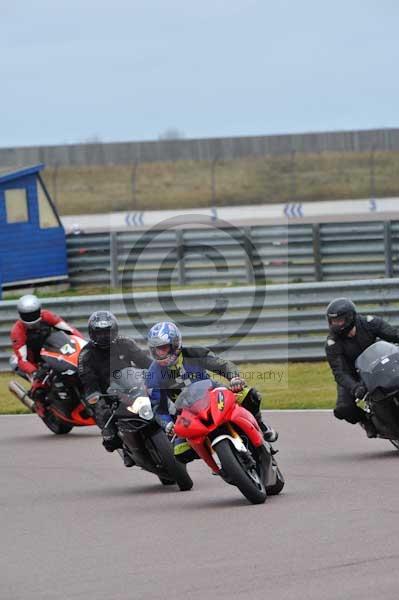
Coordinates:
[61,408]
[227,437]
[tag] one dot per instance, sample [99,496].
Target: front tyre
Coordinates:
[247,479]
[177,471]
[55,425]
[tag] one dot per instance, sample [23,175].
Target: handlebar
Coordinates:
[110,398]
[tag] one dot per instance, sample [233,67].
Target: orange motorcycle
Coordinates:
[59,406]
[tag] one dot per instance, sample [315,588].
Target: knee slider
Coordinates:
[346,413]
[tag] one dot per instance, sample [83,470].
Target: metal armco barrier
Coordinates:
[290,253]
[251,323]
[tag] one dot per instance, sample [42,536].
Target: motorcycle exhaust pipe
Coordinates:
[20,392]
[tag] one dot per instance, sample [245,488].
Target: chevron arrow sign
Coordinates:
[293,210]
[134,219]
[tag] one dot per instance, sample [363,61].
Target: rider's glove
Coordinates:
[164,420]
[237,384]
[360,391]
[40,373]
[170,429]
[93,398]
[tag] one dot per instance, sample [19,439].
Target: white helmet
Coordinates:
[29,308]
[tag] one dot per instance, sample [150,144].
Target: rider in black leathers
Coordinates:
[106,353]
[350,334]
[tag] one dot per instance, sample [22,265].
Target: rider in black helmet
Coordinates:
[103,328]
[105,353]
[341,316]
[350,334]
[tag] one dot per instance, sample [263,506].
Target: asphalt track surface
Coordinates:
[76,524]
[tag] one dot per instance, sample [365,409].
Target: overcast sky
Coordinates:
[128,70]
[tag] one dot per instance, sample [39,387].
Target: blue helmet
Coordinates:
[164,341]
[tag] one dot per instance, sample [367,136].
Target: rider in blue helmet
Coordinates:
[165,343]
[174,366]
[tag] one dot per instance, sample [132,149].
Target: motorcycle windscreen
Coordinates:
[58,341]
[59,351]
[378,367]
[128,384]
[196,396]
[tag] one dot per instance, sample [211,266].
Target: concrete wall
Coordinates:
[201,149]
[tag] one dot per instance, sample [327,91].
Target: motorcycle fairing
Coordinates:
[221,411]
[378,367]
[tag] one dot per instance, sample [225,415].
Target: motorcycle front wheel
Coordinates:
[56,425]
[246,479]
[177,471]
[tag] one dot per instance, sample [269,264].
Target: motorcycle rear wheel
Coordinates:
[176,470]
[249,484]
[55,425]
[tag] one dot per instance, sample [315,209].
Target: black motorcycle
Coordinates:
[378,368]
[143,438]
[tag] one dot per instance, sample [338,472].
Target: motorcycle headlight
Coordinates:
[142,407]
[145,412]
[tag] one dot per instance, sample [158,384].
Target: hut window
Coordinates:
[16,206]
[47,216]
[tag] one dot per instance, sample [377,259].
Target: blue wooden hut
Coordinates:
[32,238]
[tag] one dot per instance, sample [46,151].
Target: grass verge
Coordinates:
[296,385]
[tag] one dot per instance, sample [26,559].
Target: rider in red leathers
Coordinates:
[28,335]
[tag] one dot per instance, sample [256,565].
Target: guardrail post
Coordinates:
[318,271]
[180,256]
[388,249]
[249,255]
[113,253]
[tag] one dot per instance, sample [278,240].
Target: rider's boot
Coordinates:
[269,434]
[127,459]
[368,426]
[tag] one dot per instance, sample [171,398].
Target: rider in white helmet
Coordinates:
[28,335]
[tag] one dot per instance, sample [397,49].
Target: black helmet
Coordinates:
[103,328]
[29,308]
[341,316]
